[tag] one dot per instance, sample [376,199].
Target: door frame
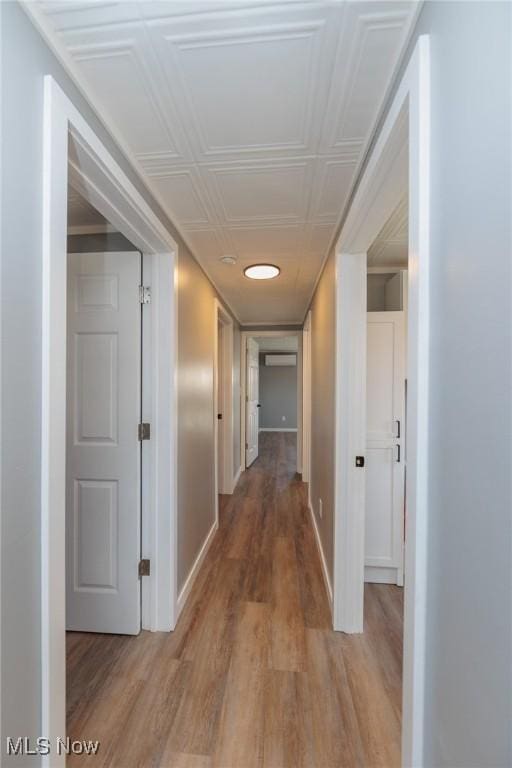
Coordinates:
[401,154]
[243,375]
[94,172]
[306,400]
[222,316]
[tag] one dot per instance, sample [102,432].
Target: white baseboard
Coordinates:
[236,478]
[189,582]
[275,429]
[325,572]
[374,574]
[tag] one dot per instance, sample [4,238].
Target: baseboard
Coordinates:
[325,572]
[374,574]
[275,429]
[236,477]
[189,582]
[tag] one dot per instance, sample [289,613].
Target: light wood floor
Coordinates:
[252,675]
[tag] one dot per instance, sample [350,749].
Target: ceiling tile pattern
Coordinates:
[249,120]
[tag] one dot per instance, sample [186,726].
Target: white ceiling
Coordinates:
[391,247]
[249,121]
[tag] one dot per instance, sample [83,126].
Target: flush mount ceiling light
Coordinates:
[228,259]
[261,271]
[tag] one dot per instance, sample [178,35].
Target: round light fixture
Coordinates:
[228,259]
[261,271]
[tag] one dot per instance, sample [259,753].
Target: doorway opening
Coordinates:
[101,363]
[223,407]
[271,391]
[107,466]
[386,389]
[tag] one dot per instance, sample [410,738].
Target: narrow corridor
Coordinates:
[252,675]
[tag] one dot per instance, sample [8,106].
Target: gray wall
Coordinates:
[108,241]
[25,60]
[278,395]
[236,400]
[468,652]
[323,352]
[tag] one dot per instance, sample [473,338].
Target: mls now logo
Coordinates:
[42,746]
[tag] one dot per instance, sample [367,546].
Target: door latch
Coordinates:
[359,461]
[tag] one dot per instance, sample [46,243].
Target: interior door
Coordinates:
[252,404]
[103,449]
[385,392]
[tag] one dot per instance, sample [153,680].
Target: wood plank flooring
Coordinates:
[252,675]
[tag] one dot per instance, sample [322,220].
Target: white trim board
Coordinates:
[194,571]
[400,157]
[325,572]
[96,174]
[276,429]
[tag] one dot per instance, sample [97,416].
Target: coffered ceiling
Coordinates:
[248,120]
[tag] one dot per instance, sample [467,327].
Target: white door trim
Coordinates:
[94,171]
[401,153]
[243,364]
[221,315]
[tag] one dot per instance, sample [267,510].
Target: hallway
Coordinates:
[252,675]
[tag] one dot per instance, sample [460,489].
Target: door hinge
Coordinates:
[144,294]
[144,567]
[144,431]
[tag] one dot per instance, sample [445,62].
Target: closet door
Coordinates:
[385,393]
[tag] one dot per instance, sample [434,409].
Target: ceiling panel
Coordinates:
[248,120]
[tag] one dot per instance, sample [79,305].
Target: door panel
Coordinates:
[385,391]
[252,410]
[103,450]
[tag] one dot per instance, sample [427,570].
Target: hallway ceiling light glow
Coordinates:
[262,271]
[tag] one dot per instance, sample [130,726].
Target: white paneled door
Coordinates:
[252,404]
[103,449]
[385,392]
